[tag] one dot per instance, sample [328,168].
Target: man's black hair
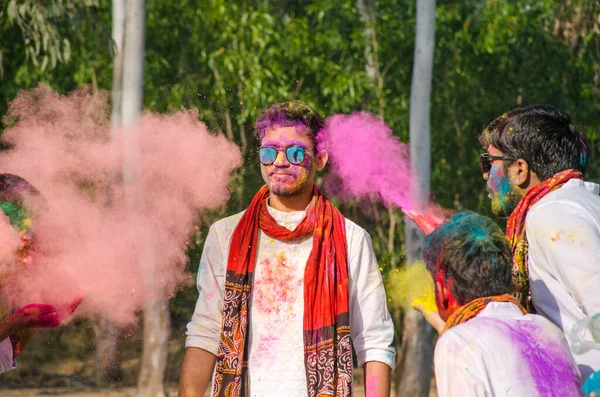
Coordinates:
[543,136]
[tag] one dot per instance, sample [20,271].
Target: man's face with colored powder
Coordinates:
[501,190]
[283,177]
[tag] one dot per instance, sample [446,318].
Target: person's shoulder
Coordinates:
[546,326]
[476,333]
[455,339]
[560,210]
[356,231]
[227,224]
[575,197]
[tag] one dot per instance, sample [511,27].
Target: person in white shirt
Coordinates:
[489,345]
[534,167]
[16,197]
[286,285]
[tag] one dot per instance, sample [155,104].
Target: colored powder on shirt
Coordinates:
[90,240]
[546,360]
[411,285]
[278,288]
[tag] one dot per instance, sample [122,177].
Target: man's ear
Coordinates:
[442,294]
[321,161]
[521,173]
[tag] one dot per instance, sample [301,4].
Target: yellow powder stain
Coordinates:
[411,285]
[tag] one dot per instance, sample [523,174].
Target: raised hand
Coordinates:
[41,315]
[432,317]
[37,315]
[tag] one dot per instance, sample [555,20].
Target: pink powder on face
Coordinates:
[90,243]
[365,158]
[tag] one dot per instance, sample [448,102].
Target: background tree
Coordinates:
[415,361]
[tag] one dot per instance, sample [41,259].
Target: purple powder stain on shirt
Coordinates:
[548,362]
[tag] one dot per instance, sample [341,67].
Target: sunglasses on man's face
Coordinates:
[486,159]
[294,154]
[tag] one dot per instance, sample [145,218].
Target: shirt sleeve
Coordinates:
[456,372]
[569,241]
[204,330]
[371,325]
[7,362]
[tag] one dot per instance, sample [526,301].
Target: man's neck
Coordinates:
[297,202]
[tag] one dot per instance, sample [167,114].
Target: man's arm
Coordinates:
[196,372]
[377,379]
[432,317]
[371,325]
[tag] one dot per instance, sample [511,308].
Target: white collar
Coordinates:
[287,219]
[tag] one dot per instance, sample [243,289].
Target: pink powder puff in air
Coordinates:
[90,241]
[366,159]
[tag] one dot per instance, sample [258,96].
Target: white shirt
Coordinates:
[563,232]
[502,352]
[276,345]
[7,362]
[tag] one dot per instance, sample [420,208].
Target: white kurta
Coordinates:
[6,356]
[563,232]
[503,353]
[276,346]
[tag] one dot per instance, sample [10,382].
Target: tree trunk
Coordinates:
[156,315]
[414,371]
[157,329]
[107,364]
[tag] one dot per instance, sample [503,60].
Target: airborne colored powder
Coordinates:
[411,285]
[366,159]
[89,242]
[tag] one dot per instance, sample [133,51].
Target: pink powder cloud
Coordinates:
[366,159]
[91,241]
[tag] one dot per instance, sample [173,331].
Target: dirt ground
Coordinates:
[359,391]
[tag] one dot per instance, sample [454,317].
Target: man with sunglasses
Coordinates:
[287,285]
[534,167]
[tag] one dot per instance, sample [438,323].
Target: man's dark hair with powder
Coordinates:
[543,136]
[289,114]
[13,188]
[472,252]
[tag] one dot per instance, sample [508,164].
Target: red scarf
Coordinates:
[515,232]
[327,350]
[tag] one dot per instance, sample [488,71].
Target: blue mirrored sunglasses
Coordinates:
[294,154]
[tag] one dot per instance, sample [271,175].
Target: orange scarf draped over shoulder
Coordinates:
[476,306]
